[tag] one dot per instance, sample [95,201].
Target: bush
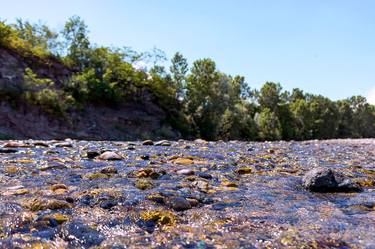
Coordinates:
[41,92]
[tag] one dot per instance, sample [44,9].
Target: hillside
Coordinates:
[135,119]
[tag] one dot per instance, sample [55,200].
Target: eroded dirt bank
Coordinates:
[69,194]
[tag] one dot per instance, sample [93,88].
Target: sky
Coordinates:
[321,46]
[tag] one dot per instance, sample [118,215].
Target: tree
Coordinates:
[201,98]
[345,127]
[363,117]
[38,35]
[301,119]
[77,42]
[268,125]
[324,115]
[269,96]
[178,69]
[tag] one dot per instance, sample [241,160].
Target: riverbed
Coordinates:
[183,194]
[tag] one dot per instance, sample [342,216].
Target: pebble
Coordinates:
[148,142]
[186,172]
[110,156]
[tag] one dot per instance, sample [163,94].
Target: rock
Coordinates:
[59,189]
[145,157]
[148,142]
[58,186]
[64,145]
[200,141]
[58,204]
[201,185]
[52,166]
[109,170]
[183,161]
[38,204]
[179,203]
[148,172]
[163,143]
[320,180]
[8,151]
[14,144]
[186,172]
[58,218]
[97,175]
[92,154]
[108,204]
[12,170]
[348,185]
[156,198]
[110,156]
[159,216]
[41,144]
[230,184]
[326,180]
[244,170]
[204,175]
[80,235]
[22,191]
[193,202]
[143,184]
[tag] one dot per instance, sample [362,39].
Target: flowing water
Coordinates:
[234,195]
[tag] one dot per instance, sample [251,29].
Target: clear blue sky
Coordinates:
[321,46]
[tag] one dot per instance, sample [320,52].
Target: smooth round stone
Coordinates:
[148,142]
[110,155]
[179,204]
[186,172]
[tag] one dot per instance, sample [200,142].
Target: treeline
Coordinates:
[200,100]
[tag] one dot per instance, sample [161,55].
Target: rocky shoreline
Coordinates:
[187,194]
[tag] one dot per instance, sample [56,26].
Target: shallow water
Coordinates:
[265,208]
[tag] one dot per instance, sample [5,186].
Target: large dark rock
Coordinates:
[326,180]
[179,204]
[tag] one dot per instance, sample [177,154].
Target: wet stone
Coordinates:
[244,170]
[14,144]
[179,203]
[145,157]
[109,170]
[110,156]
[8,151]
[108,204]
[204,175]
[148,142]
[163,143]
[64,145]
[79,234]
[326,180]
[92,154]
[143,184]
[186,172]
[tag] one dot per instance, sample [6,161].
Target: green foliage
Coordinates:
[77,42]
[269,125]
[269,96]
[39,36]
[324,117]
[6,34]
[178,69]
[41,92]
